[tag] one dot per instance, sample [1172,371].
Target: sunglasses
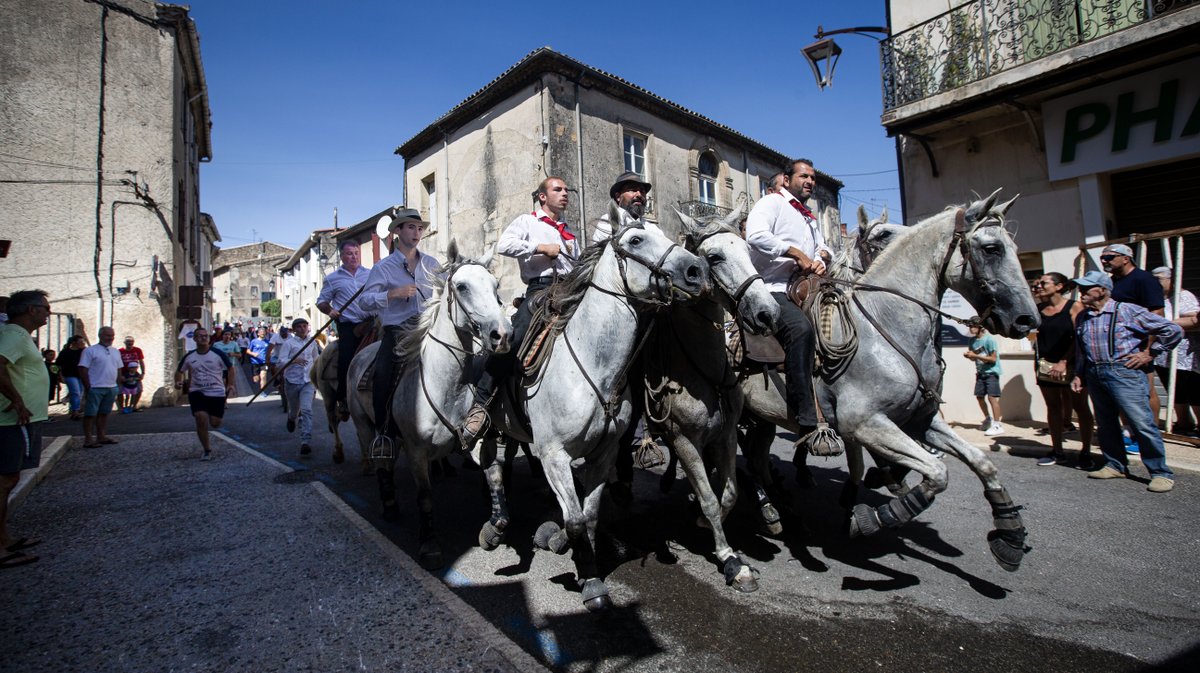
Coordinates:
[1109,258]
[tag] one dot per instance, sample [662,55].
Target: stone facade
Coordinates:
[997,76]
[302,275]
[118,90]
[472,171]
[241,276]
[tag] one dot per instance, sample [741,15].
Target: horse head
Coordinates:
[717,242]
[652,267]
[472,299]
[988,274]
[870,239]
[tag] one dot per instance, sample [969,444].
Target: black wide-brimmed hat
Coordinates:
[626,178]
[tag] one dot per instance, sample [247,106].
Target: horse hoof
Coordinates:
[1008,550]
[550,537]
[770,519]
[595,595]
[739,575]
[338,457]
[864,522]
[490,536]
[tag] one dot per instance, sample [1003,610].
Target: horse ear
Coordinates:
[731,220]
[689,224]
[486,260]
[863,220]
[1003,207]
[883,217]
[452,251]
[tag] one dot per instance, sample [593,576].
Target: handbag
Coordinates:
[1044,376]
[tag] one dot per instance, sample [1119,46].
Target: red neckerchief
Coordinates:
[560,226]
[801,208]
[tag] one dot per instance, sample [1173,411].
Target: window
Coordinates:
[253,313]
[253,290]
[707,178]
[635,154]
[429,200]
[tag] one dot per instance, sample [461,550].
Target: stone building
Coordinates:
[243,278]
[302,275]
[471,171]
[1090,110]
[104,120]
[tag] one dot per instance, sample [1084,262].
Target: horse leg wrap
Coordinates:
[551,537]
[492,533]
[900,511]
[1007,541]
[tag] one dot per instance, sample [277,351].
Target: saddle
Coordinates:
[755,349]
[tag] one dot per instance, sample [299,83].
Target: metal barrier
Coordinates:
[1171,253]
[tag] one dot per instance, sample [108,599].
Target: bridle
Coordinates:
[660,278]
[961,242]
[735,295]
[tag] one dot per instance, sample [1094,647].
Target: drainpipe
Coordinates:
[579,143]
[446,183]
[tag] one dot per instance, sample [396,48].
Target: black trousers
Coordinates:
[385,372]
[347,345]
[796,335]
[502,365]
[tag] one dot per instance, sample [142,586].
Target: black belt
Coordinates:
[540,282]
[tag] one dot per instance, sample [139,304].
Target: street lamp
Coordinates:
[824,53]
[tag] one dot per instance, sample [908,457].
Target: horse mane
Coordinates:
[842,265]
[565,296]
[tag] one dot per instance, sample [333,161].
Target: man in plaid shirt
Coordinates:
[1111,360]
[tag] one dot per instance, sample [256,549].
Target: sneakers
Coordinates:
[987,424]
[291,425]
[995,429]
[1052,459]
[1160,485]
[207,456]
[1106,472]
[305,449]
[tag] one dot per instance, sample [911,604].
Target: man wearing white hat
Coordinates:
[1110,359]
[396,290]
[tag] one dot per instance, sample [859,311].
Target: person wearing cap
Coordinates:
[629,191]
[1134,285]
[351,320]
[131,353]
[1187,354]
[396,290]
[545,248]
[296,357]
[784,239]
[1110,358]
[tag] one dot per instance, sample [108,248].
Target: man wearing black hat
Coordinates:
[395,290]
[545,249]
[629,191]
[785,238]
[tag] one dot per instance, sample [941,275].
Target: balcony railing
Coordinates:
[985,37]
[703,209]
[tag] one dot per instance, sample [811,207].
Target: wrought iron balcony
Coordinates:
[702,209]
[981,38]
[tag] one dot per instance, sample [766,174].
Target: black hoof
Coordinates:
[491,535]
[551,537]
[1008,548]
[739,575]
[864,521]
[595,595]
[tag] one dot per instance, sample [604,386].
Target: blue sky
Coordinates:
[310,98]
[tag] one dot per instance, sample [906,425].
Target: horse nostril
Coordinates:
[1025,320]
[693,272]
[496,336]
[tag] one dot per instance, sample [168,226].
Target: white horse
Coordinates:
[886,399]
[580,405]
[698,402]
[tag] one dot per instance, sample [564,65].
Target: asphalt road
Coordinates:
[1112,584]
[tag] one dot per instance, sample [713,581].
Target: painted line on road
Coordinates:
[475,622]
[257,454]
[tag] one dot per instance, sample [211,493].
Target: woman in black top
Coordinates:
[1056,347]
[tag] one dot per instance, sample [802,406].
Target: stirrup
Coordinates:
[474,424]
[824,441]
[383,448]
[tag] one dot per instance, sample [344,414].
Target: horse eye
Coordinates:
[462,287]
[993,249]
[636,240]
[714,259]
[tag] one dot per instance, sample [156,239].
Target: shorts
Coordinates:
[99,401]
[213,406]
[131,391]
[20,447]
[987,384]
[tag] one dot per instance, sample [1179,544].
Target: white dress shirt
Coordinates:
[297,372]
[522,237]
[393,272]
[602,228]
[774,225]
[339,286]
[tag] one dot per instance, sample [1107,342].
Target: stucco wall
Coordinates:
[49,106]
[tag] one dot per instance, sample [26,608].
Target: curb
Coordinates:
[475,622]
[32,477]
